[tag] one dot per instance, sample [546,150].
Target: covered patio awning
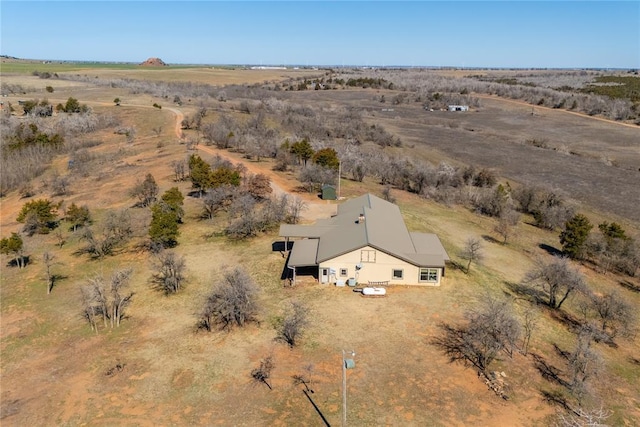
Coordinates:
[303,253]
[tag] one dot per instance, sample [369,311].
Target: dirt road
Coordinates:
[315,208]
[554,110]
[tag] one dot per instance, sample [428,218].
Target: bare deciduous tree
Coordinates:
[472,252]
[218,198]
[615,315]
[116,231]
[48,260]
[295,207]
[313,176]
[293,324]
[59,185]
[179,170]
[386,194]
[492,327]
[247,218]
[233,302]
[557,279]
[583,363]
[90,306]
[120,299]
[106,300]
[530,321]
[59,237]
[506,226]
[585,418]
[169,271]
[146,191]
[262,373]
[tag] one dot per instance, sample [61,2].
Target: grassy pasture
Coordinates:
[215,75]
[28,67]
[57,372]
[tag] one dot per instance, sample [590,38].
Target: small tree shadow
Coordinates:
[571,322]
[527,292]
[452,343]
[556,398]
[548,371]
[550,249]
[630,286]
[196,194]
[634,361]
[560,352]
[456,265]
[11,407]
[15,262]
[55,278]
[490,239]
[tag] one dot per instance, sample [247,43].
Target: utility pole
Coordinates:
[346,364]
[339,175]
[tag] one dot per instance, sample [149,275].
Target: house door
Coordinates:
[324,275]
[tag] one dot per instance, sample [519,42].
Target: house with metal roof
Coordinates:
[366,242]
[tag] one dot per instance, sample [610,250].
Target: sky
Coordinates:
[518,34]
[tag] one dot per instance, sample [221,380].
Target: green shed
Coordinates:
[328,192]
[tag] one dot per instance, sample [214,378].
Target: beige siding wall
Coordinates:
[377,266]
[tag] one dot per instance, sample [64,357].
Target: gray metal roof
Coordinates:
[428,243]
[303,253]
[291,230]
[383,228]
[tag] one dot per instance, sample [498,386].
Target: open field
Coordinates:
[215,75]
[157,368]
[592,161]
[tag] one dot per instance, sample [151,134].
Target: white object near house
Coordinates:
[374,291]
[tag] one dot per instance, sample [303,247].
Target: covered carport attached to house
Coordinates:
[303,254]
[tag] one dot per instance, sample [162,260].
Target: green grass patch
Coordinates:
[618,87]
[61,67]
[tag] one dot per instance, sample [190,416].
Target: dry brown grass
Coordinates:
[601,172]
[54,370]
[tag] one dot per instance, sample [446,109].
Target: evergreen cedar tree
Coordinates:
[13,245]
[174,200]
[327,157]
[78,216]
[575,235]
[203,177]
[612,231]
[302,150]
[165,217]
[163,229]
[38,215]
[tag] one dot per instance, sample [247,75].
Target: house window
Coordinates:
[429,275]
[397,274]
[343,272]
[368,255]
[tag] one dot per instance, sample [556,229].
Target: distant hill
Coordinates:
[154,62]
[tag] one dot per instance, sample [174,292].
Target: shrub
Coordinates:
[233,301]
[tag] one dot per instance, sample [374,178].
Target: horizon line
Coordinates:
[307,65]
